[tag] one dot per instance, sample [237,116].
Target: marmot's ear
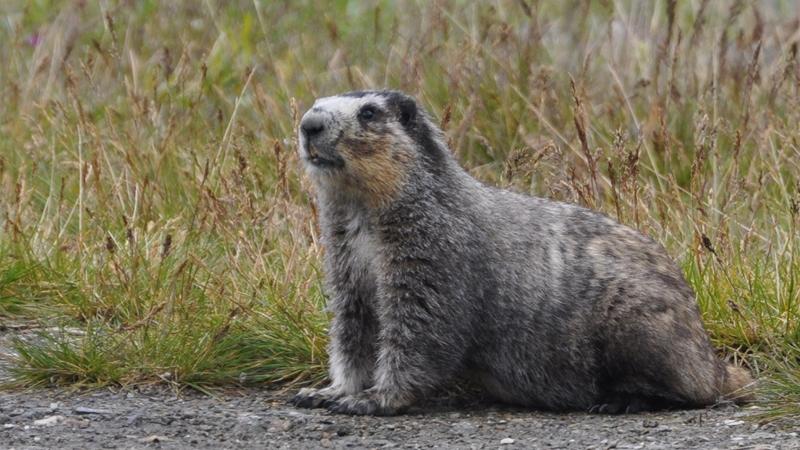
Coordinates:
[407,110]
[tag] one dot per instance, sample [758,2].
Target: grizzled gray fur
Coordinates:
[432,275]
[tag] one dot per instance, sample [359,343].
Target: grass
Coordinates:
[153,212]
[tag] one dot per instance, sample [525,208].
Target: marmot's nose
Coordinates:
[312,125]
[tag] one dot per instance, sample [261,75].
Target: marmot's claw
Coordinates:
[301,401]
[622,405]
[364,404]
[354,407]
[603,408]
[310,398]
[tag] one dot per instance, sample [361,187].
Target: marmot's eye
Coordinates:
[366,113]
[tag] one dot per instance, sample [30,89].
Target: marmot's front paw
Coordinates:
[314,398]
[367,403]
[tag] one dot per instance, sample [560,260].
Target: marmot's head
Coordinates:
[366,143]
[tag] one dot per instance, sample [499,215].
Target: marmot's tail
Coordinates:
[737,384]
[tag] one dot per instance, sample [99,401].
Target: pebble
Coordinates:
[154,439]
[49,420]
[280,425]
[732,423]
[506,441]
[134,419]
[463,427]
[649,423]
[84,410]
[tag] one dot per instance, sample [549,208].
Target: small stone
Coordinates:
[134,419]
[506,441]
[280,425]
[84,410]
[462,427]
[732,423]
[54,405]
[153,439]
[35,413]
[48,421]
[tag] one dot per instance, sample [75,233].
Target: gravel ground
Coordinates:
[158,418]
[261,419]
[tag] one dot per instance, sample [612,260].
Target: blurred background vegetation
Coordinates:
[155,226]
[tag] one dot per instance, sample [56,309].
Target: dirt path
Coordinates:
[158,418]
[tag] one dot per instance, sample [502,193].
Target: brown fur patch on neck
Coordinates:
[378,167]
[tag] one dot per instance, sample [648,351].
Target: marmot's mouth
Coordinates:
[323,155]
[324,162]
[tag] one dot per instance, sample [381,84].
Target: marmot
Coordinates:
[431,274]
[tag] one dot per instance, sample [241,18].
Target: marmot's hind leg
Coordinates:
[661,360]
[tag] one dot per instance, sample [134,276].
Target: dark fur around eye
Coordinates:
[367,112]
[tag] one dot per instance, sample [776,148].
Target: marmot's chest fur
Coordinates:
[361,238]
[431,275]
